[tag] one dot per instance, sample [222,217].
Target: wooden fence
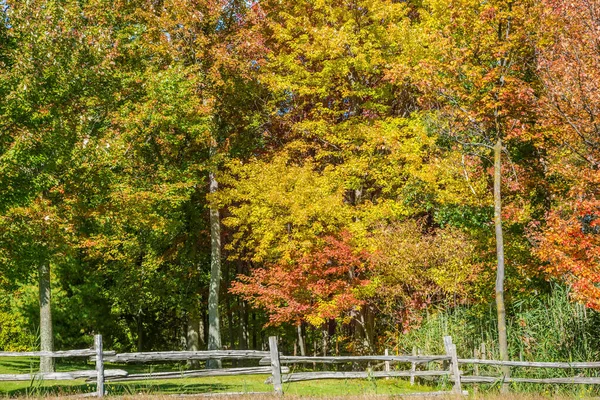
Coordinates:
[99,373]
[270,363]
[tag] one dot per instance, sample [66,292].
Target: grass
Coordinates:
[510,396]
[322,389]
[243,384]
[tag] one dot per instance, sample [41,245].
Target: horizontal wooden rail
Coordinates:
[62,376]
[449,394]
[55,354]
[307,376]
[569,380]
[533,364]
[186,355]
[198,373]
[346,359]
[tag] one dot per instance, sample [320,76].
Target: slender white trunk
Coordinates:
[214,329]
[301,340]
[46,334]
[502,337]
[243,330]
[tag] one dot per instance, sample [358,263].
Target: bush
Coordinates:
[15,335]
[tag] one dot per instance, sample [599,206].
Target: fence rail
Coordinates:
[55,354]
[347,359]
[270,363]
[186,356]
[532,364]
[308,376]
[199,373]
[62,376]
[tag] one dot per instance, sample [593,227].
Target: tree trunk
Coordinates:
[254,332]
[366,322]
[193,334]
[214,329]
[242,316]
[46,334]
[140,332]
[243,331]
[301,340]
[229,311]
[202,331]
[502,339]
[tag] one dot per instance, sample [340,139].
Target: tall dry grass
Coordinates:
[547,327]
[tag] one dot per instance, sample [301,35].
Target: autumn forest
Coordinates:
[350,175]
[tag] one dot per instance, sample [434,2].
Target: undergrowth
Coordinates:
[547,327]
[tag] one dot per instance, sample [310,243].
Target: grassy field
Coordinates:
[512,396]
[244,384]
[159,389]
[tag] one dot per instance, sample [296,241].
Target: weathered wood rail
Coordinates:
[56,354]
[186,356]
[452,370]
[62,376]
[198,373]
[305,376]
[274,364]
[532,364]
[450,356]
[353,359]
[99,373]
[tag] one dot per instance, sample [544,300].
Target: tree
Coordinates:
[478,78]
[55,99]
[417,267]
[203,46]
[346,148]
[569,67]
[320,285]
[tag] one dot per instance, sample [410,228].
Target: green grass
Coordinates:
[244,383]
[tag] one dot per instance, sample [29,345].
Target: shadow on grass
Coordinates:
[45,389]
[26,365]
[170,388]
[18,365]
[37,389]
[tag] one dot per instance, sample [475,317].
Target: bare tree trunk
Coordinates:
[193,334]
[254,332]
[46,334]
[214,329]
[502,339]
[324,343]
[243,331]
[229,311]
[202,331]
[140,332]
[242,316]
[366,323]
[301,340]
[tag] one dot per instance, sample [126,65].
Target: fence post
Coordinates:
[413,366]
[451,351]
[387,363]
[99,366]
[483,351]
[275,365]
[476,355]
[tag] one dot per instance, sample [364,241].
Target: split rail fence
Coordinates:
[270,363]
